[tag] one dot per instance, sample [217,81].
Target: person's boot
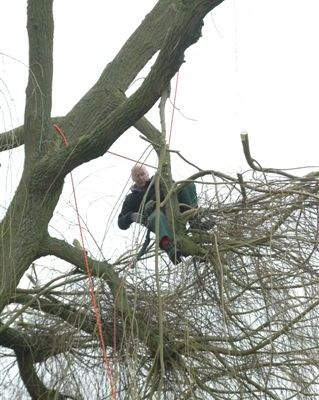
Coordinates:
[171,250]
[165,234]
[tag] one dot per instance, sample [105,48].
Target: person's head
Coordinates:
[140,175]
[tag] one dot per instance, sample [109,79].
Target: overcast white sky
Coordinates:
[255,69]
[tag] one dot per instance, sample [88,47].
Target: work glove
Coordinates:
[141,218]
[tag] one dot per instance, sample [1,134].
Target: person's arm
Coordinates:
[125,217]
[129,213]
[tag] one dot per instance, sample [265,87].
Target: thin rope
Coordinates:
[173,112]
[130,159]
[90,281]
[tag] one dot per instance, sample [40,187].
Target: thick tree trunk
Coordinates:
[23,230]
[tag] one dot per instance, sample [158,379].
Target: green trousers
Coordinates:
[187,197]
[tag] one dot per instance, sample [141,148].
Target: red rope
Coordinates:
[90,282]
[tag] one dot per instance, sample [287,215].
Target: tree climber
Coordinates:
[139,206]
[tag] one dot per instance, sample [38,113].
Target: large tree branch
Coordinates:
[119,74]
[66,252]
[15,137]
[132,57]
[39,89]
[183,33]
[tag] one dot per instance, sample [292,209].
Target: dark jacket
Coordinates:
[133,202]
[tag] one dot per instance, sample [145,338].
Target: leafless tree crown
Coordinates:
[237,319]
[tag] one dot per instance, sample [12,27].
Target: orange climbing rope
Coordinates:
[90,282]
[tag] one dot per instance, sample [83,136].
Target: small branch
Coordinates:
[33,383]
[242,187]
[255,164]
[162,104]
[184,159]
[104,270]
[152,135]
[40,346]
[74,315]
[12,139]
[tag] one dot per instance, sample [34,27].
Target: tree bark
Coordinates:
[91,127]
[25,225]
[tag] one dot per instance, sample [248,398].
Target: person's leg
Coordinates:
[164,229]
[165,236]
[187,197]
